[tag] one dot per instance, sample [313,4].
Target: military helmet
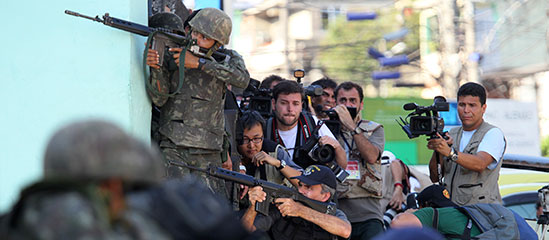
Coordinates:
[166,20]
[213,23]
[98,150]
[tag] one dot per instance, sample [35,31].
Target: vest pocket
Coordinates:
[468,194]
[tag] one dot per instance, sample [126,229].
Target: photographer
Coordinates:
[327,100]
[293,220]
[476,221]
[271,81]
[291,127]
[360,194]
[471,158]
[256,150]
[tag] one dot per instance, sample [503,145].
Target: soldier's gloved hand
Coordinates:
[153,58]
[347,123]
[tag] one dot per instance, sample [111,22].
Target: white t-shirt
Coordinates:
[289,137]
[493,143]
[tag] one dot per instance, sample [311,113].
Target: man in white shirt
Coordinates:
[291,127]
[471,158]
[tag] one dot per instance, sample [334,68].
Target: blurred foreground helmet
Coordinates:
[213,23]
[166,20]
[98,150]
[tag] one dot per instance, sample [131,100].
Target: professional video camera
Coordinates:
[258,99]
[309,91]
[543,197]
[428,124]
[333,124]
[312,153]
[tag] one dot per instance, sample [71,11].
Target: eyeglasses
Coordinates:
[254,140]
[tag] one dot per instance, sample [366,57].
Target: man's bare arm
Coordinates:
[367,150]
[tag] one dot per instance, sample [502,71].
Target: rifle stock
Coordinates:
[272,190]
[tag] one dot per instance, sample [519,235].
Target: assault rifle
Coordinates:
[272,190]
[167,38]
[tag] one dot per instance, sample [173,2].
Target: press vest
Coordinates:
[370,183]
[467,186]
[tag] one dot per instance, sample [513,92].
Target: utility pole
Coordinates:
[449,58]
[469,27]
[284,19]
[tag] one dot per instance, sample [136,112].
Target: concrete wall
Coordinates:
[58,68]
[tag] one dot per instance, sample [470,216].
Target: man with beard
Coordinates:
[291,127]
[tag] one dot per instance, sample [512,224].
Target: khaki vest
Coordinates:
[370,183]
[468,186]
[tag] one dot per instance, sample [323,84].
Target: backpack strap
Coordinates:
[467,230]
[435,219]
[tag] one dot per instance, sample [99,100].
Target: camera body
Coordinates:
[543,196]
[258,99]
[424,120]
[390,213]
[312,153]
[334,124]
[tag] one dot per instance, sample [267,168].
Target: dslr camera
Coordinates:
[424,120]
[333,124]
[258,99]
[313,153]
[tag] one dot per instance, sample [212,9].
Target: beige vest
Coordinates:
[370,182]
[467,186]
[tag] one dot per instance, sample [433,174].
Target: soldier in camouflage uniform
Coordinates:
[89,169]
[191,121]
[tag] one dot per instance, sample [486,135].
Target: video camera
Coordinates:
[543,196]
[312,153]
[258,99]
[309,91]
[425,119]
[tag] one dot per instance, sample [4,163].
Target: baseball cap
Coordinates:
[318,174]
[436,194]
[387,155]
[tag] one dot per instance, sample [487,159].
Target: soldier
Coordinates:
[191,121]
[88,169]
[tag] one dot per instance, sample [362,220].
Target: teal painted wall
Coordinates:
[58,68]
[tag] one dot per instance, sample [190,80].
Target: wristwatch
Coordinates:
[201,62]
[282,165]
[356,131]
[453,155]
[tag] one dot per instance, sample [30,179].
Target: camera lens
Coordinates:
[324,154]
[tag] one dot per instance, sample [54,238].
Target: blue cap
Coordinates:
[318,174]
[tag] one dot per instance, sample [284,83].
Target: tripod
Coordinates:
[543,221]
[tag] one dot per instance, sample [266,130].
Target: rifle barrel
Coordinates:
[97,19]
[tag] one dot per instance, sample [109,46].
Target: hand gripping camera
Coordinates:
[424,120]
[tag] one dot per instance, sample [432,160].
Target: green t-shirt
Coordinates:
[450,220]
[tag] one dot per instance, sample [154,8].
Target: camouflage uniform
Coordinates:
[69,202]
[192,122]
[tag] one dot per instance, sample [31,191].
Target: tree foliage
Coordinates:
[344,55]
